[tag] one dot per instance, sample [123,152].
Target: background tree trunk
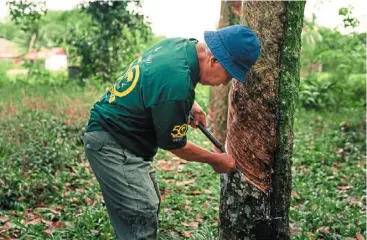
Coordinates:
[259,128]
[218,107]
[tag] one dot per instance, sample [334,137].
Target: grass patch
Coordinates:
[49,192]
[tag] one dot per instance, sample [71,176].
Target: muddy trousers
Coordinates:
[128,185]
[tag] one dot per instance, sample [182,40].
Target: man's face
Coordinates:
[214,73]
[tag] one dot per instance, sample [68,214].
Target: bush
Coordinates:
[4,67]
[316,91]
[324,90]
[356,89]
[38,75]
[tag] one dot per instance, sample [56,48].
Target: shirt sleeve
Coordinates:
[170,122]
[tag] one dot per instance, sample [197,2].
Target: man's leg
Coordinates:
[129,192]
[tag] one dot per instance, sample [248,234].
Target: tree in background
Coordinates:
[260,127]
[113,38]
[106,35]
[27,14]
[310,38]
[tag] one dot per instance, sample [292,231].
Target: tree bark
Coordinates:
[218,107]
[260,127]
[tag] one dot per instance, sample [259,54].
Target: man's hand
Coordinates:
[220,162]
[224,163]
[198,114]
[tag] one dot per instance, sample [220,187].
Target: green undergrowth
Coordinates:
[49,192]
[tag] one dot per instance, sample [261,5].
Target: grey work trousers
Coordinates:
[128,185]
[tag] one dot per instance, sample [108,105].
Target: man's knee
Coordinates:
[132,224]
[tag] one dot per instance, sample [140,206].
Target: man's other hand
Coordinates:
[199,116]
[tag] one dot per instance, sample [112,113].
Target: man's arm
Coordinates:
[220,162]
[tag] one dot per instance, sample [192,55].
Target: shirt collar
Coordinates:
[193,61]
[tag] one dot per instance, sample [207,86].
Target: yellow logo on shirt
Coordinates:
[179,131]
[126,83]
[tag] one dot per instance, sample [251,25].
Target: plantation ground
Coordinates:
[49,192]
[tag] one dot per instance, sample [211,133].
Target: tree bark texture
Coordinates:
[218,107]
[260,127]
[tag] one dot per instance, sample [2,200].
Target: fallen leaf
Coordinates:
[353,201]
[303,169]
[75,200]
[310,235]
[324,230]
[169,181]
[294,194]
[359,236]
[33,221]
[206,205]
[344,187]
[185,182]
[58,224]
[207,191]
[89,201]
[40,204]
[80,190]
[48,232]
[7,226]
[188,208]
[196,192]
[187,234]
[191,224]
[199,218]
[54,211]
[48,223]
[21,198]
[339,151]
[95,232]
[295,229]
[4,219]
[168,166]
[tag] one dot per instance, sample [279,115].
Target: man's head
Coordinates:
[227,53]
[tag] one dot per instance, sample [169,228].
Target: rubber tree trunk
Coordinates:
[260,127]
[218,107]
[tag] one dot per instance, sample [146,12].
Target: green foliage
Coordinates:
[113,38]
[11,31]
[4,67]
[320,90]
[37,75]
[310,38]
[341,57]
[328,199]
[315,91]
[53,29]
[27,13]
[342,54]
[56,26]
[34,148]
[349,20]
